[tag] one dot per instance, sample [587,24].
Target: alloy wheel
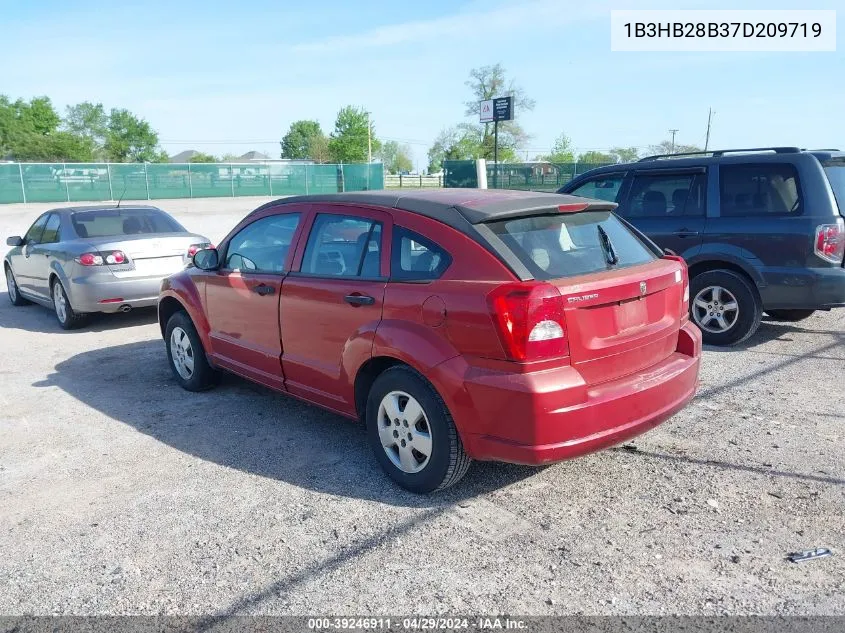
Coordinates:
[715,309]
[11,286]
[182,353]
[60,302]
[404,432]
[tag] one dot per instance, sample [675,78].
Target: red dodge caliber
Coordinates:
[457,324]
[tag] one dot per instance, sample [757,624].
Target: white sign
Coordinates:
[485,112]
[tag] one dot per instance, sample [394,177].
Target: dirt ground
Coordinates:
[122,493]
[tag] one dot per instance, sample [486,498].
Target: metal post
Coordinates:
[23,188]
[64,175]
[190,183]
[146,180]
[400,180]
[232,178]
[420,181]
[306,179]
[108,175]
[269,177]
[495,154]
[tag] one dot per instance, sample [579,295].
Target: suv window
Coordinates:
[759,189]
[604,187]
[567,244]
[835,171]
[51,229]
[665,195]
[33,235]
[414,257]
[343,246]
[263,245]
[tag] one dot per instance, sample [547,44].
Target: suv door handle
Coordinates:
[263,289]
[359,300]
[686,233]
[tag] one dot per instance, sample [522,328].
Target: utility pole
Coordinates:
[673,132]
[707,137]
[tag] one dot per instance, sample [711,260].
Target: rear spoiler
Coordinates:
[570,206]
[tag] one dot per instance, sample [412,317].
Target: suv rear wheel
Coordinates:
[725,306]
[790,315]
[412,433]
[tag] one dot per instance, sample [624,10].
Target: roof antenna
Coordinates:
[117,206]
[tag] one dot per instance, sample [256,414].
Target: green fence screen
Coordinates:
[91,182]
[537,176]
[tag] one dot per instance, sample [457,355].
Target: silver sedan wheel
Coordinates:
[10,285]
[404,432]
[182,353]
[715,309]
[59,302]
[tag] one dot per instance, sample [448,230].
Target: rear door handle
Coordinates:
[359,300]
[263,289]
[686,233]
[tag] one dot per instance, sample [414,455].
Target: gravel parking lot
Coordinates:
[122,493]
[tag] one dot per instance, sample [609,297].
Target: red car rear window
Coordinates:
[566,244]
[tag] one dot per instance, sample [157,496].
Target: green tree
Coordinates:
[297,143]
[130,138]
[396,157]
[318,149]
[487,82]
[23,122]
[666,147]
[87,119]
[625,154]
[348,142]
[229,157]
[201,157]
[596,158]
[562,151]
[462,142]
[53,147]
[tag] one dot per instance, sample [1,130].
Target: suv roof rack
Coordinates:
[722,152]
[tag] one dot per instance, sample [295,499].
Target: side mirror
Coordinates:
[15,240]
[206,259]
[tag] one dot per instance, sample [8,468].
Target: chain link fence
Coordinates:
[74,182]
[535,176]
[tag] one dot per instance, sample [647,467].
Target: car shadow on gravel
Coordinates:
[771,330]
[37,318]
[244,426]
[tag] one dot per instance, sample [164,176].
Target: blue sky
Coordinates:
[226,76]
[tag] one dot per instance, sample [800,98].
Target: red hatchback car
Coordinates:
[457,324]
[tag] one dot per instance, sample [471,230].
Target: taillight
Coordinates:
[193,249]
[103,258]
[530,321]
[830,241]
[682,276]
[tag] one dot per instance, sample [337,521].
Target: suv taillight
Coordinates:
[104,258]
[684,279]
[530,322]
[830,241]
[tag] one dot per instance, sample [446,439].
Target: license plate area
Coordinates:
[630,314]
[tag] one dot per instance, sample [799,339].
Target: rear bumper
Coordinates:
[554,415]
[807,288]
[86,293]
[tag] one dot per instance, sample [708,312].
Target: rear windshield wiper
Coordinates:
[607,246]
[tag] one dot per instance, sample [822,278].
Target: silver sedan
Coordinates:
[80,260]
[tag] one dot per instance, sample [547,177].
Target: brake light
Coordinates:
[530,322]
[102,258]
[830,241]
[682,276]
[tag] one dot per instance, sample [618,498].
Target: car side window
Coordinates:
[604,187]
[51,229]
[416,258]
[343,246]
[665,195]
[767,189]
[262,246]
[33,235]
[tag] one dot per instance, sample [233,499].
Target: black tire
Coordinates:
[203,375]
[750,313]
[69,319]
[790,316]
[448,462]
[12,288]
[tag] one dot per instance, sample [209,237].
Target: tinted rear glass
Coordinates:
[836,175]
[111,222]
[567,244]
